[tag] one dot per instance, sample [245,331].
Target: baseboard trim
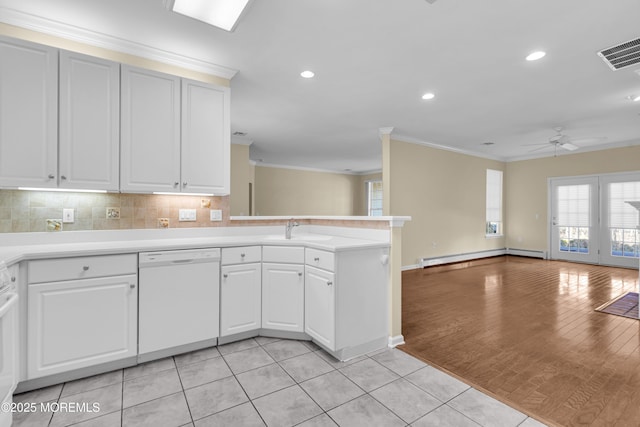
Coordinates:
[449,259]
[527,252]
[396,341]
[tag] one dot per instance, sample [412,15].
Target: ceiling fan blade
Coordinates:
[535,145]
[541,148]
[569,146]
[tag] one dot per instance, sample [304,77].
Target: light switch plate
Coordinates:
[187,215]
[215,215]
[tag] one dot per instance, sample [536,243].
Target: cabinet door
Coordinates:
[283,297]
[80,323]
[89,122]
[28,114]
[319,306]
[150,131]
[205,138]
[240,298]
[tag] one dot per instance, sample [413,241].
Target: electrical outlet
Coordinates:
[186,215]
[215,215]
[113,213]
[163,222]
[68,215]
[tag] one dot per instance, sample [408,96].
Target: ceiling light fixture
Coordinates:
[307,74]
[534,56]
[219,13]
[428,95]
[634,98]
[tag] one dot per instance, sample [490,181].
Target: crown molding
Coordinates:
[411,140]
[384,131]
[94,38]
[309,169]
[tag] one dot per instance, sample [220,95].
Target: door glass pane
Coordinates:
[623,218]
[573,218]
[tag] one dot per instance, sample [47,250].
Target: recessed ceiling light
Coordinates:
[219,13]
[307,74]
[534,56]
[428,95]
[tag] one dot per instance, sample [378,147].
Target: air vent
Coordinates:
[622,55]
[238,133]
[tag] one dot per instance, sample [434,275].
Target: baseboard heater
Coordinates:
[448,259]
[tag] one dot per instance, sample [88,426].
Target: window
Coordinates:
[494,203]
[574,217]
[623,219]
[374,198]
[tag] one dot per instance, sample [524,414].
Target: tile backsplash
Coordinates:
[25,211]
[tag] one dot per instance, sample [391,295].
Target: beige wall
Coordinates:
[243,173]
[444,192]
[526,187]
[280,191]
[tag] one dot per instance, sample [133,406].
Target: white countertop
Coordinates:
[25,246]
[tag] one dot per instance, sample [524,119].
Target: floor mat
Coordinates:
[625,305]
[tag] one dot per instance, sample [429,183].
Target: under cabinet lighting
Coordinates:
[66,190]
[219,13]
[168,193]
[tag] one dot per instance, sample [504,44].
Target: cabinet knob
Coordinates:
[316,259]
[175,184]
[329,283]
[300,273]
[242,255]
[184,184]
[63,177]
[51,176]
[225,275]
[13,279]
[85,268]
[132,285]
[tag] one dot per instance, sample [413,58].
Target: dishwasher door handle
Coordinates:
[182,261]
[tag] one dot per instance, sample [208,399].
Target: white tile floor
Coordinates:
[265,381]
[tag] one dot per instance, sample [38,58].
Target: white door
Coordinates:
[240,298]
[150,131]
[79,323]
[319,306]
[205,138]
[28,114]
[575,219]
[283,297]
[619,229]
[89,122]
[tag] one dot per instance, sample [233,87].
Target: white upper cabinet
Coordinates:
[28,114]
[89,122]
[205,138]
[175,134]
[150,131]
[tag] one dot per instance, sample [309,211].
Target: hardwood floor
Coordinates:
[525,331]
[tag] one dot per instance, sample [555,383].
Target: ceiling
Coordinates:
[373,60]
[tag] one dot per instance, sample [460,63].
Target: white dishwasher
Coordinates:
[178,301]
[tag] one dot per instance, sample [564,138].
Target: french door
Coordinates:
[592,222]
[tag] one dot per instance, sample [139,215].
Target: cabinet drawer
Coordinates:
[284,254]
[320,259]
[53,270]
[241,255]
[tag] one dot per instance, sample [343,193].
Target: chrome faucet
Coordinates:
[287,231]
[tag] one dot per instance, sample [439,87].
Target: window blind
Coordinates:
[494,195]
[374,191]
[621,214]
[574,206]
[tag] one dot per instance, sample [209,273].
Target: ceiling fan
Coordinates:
[561,140]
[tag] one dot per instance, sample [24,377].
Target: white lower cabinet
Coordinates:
[319,306]
[283,297]
[240,298]
[82,322]
[346,300]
